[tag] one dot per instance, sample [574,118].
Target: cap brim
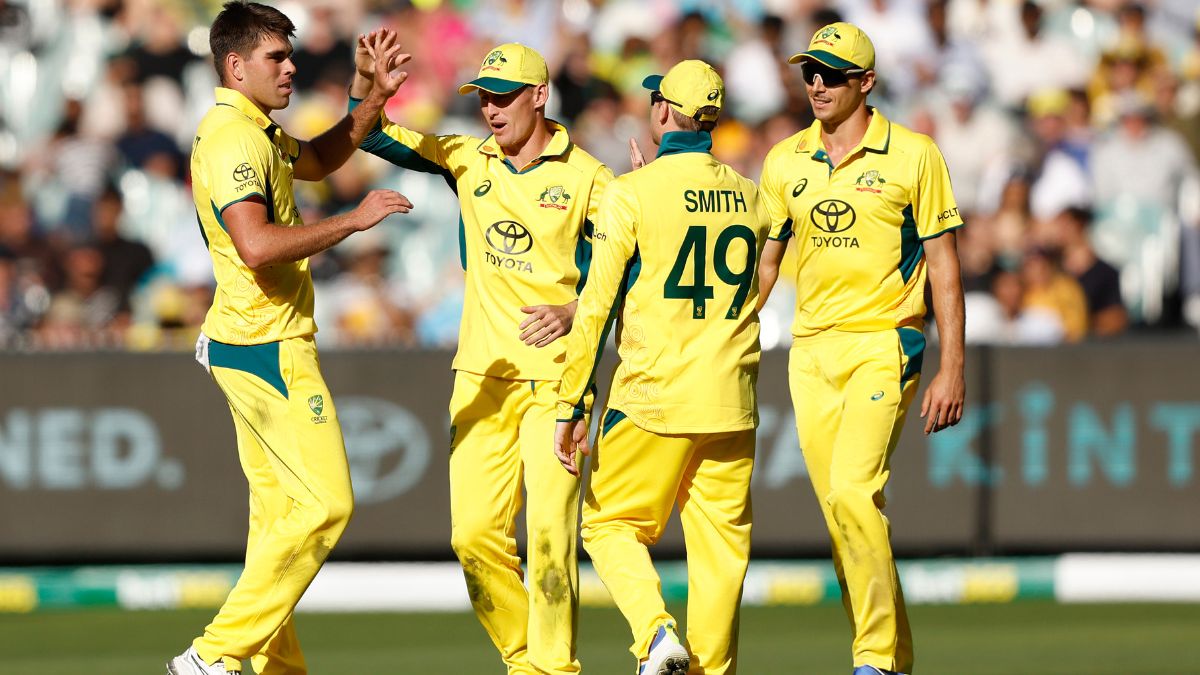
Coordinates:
[653,82]
[494,85]
[827,58]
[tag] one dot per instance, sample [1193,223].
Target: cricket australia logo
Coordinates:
[868,182]
[494,60]
[554,198]
[508,238]
[316,404]
[824,37]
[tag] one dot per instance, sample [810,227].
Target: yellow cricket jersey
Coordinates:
[676,254]
[524,237]
[239,153]
[859,225]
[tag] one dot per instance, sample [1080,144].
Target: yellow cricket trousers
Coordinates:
[636,478]
[850,392]
[502,434]
[291,450]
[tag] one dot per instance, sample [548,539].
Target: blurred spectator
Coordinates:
[1145,177]
[1024,61]
[143,147]
[531,22]
[19,238]
[159,49]
[1003,317]
[977,140]
[576,86]
[900,32]
[1049,288]
[322,49]
[755,88]
[365,308]
[1131,66]
[68,174]
[85,313]
[125,262]
[1061,179]
[1101,282]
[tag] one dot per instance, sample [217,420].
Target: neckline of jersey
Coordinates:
[675,142]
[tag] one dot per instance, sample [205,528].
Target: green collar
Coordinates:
[674,142]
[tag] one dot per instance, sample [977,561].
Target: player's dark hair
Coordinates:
[239,28]
[692,124]
[1080,214]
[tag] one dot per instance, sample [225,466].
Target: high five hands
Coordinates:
[379,48]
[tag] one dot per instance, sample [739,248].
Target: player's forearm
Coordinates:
[945,282]
[333,147]
[270,244]
[768,270]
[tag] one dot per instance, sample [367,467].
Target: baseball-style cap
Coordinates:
[840,45]
[507,68]
[689,86]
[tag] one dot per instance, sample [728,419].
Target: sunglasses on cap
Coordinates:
[830,77]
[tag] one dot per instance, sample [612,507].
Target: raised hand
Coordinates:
[635,155]
[387,57]
[364,62]
[379,204]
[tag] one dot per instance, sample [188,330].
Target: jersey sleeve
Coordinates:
[583,252]
[615,242]
[934,207]
[771,195]
[238,166]
[414,150]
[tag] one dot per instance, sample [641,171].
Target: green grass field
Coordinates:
[1027,638]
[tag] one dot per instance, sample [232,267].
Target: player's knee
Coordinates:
[468,539]
[852,498]
[332,516]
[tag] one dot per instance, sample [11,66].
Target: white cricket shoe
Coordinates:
[667,656]
[190,663]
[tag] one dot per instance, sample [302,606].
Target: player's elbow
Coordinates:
[254,257]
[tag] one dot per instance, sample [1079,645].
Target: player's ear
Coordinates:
[541,94]
[233,67]
[868,82]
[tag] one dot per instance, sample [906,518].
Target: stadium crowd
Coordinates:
[1071,129]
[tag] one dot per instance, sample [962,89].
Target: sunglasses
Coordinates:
[830,77]
[657,97]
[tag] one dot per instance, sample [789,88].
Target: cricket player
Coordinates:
[676,248]
[869,205]
[529,198]
[257,340]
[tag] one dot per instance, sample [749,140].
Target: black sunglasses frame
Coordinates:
[656,96]
[830,77]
